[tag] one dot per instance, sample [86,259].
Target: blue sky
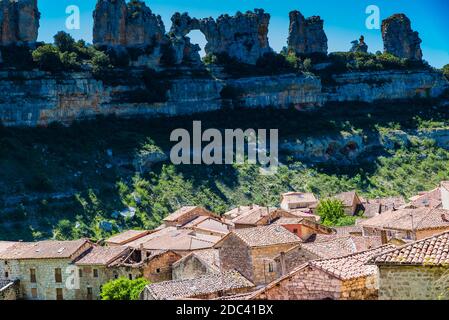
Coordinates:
[344,19]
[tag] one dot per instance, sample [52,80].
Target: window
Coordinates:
[95,273]
[115,275]
[270,267]
[80,273]
[6,274]
[158,270]
[130,276]
[59,295]
[58,275]
[295,231]
[34,293]
[6,263]
[33,275]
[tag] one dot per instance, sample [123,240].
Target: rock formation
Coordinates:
[119,24]
[399,38]
[359,45]
[243,36]
[19,21]
[184,50]
[306,36]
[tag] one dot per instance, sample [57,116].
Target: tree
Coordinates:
[332,213]
[123,289]
[47,58]
[64,42]
[446,70]
[100,63]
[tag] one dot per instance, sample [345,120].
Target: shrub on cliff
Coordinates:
[100,63]
[64,42]
[446,71]
[48,58]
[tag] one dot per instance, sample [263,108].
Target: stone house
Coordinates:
[185,215]
[207,287]
[416,271]
[351,202]
[197,264]
[126,237]
[251,251]
[298,200]
[43,269]
[323,247]
[159,265]
[343,278]
[304,228]
[436,198]
[409,224]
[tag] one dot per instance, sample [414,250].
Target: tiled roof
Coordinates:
[253,216]
[326,247]
[4,245]
[43,250]
[265,236]
[127,236]
[234,213]
[287,221]
[347,198]
[429,251]
[208,224]
[298,197]
[410,219]
[349,267]
[344,231]
[176,240]
[208,284]
[431,199]
[302,213]
[102,255]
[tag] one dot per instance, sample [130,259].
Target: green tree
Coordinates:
[123,289]
[100,63]
[446,70]
[332,213]
[47,58]
[64,42]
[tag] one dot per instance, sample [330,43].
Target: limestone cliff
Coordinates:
[399,38]
[19,21]
[306,36]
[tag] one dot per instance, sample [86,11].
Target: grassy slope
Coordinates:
[73,180]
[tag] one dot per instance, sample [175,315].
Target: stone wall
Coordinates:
[413,283]
[236,255]
[190,268]
[160,268]
[314,284]
[293,259]
[9,290]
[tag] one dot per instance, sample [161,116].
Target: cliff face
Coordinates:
[36,98]
[306,36]
[19,21]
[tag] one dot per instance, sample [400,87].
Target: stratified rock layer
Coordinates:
[306,36]
[19,21]
[399,38]
[119,24]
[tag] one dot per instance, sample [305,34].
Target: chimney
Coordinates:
[383,235]
[283,265]
[143,253]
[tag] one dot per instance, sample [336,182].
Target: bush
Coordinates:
[48,58]
[100,63]
[123,289]
[332,213]
[446,71]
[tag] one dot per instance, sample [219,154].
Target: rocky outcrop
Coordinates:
[306,36]
[359,45]
[119,24]
[399,38]
[19,21]
[386,85]
[243,36]
[184,50]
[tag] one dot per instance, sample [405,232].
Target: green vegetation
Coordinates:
[332,213]
[70,182]
[446,71]
[123,289]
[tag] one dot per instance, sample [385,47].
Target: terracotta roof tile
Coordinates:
[208,284]
[265,236]
[127,236]
[430,251]
[102,255]
[43,250]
